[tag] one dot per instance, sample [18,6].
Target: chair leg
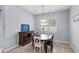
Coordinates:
[40,49]
[51,48]
[34,49]
[45,48]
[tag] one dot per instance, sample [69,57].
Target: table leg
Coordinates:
[45,47]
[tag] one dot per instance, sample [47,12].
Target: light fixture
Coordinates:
[44,17]
[44,20]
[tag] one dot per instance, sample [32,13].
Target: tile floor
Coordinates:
[59,47]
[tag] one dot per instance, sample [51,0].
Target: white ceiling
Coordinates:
[38,9]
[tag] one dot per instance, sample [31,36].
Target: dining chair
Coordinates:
[34,34]
[49,43]
[37,44]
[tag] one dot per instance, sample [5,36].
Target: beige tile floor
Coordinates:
[59,47]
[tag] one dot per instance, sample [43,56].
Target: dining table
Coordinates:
[43,39]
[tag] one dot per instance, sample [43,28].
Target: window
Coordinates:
[48,25]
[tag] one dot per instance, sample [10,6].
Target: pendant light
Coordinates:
[43,19]
[44,22]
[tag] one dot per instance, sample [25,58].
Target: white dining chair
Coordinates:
[37,44]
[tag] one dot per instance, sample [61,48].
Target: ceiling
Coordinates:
[39,9]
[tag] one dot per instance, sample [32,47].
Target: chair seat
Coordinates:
[37,45]
[49,42]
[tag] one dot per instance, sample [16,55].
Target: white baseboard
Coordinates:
[0,50]
[68,43]
[73,47]
[10,48]
[61,41]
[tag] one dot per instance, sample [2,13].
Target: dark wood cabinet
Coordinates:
[25,37]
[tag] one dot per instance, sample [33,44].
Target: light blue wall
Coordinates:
[74,28]
[14,17]
[0,27]
[62,19]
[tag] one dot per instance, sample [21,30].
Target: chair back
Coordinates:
[35,34]
[52,38]
[37,41]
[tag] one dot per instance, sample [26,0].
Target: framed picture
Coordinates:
[25,27]
[76,18]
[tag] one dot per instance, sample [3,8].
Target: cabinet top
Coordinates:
[26,32]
